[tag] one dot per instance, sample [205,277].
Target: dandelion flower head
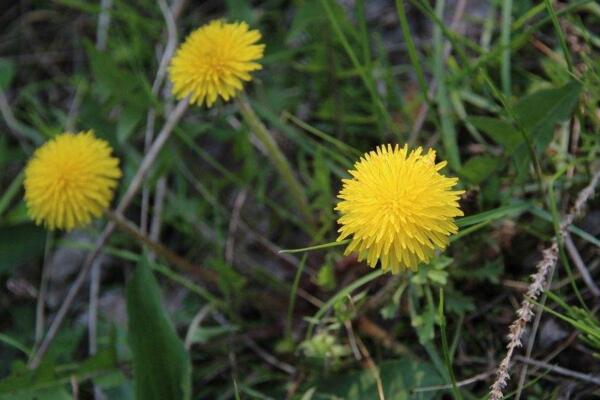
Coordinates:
[397,208]
[214,61]
[70,180]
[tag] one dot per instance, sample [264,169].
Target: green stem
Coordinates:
[292,302]
[342,293]
[276,155]
[445,351]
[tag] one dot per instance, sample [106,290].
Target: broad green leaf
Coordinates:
[399,379]
[113,81]
[54,393]
[49,380]
[458,303]
[500,131]
[309,16]
[538,112]
[478,168]
[240,10]
[161,365]
[20,244]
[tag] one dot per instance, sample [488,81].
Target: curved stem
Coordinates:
[276,155]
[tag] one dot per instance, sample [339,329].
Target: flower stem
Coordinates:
[276,155]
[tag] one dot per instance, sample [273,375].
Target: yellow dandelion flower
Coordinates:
[69,180]
[397,208]
[214,61]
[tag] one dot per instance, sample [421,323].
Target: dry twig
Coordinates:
[539,281]
[132,190]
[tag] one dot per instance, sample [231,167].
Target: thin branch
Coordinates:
[40,319]
[156,85]
[101,42]
[560,370]
[95,279]
[159,200]
[536,288]
[465,382]
[195,324]
[103,25]
[126,226]
[132,190]
[269,358]
[233,225]
[14,126]
[583,270]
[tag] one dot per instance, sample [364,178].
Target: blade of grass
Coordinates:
[560,34]
[292,302]
[367,80]
[315,247]
[11,191]
[448,132]
[14,343]
[412,50]
[538,212]
[341,294]
[505,43]
[277,157]
[349,150]
[517,41]
[445,351]
[492,215]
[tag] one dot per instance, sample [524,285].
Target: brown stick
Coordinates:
[126,226]
[536,288]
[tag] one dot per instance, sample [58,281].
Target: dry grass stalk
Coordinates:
[536,288]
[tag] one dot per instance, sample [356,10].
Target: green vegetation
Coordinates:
[223,280]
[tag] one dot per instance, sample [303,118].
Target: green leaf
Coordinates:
[424,325]
[399,378]
[7,73]
[130,118]
[499,131]
[204,334]
[478,168]
[118,83]
[492,215]
[440,277]
[326,277]
[20,244]
[161,365]
[240,10]
[540,111]
[49,380]
[458,303]
[489,271]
